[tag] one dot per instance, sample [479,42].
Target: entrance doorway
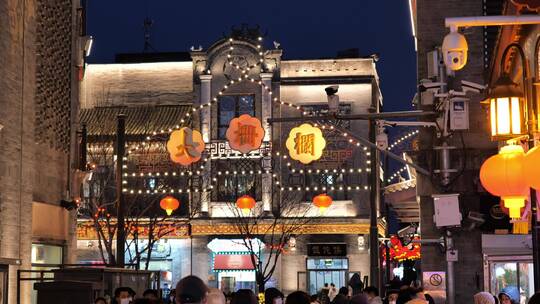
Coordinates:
[326,271]
[510,272]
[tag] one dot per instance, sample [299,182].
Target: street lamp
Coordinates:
[507,109]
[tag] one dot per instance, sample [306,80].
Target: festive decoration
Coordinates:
[400,253]
[245,133]
[322,201]
[532,164]
[305,143]
[185,146]
[506,106]
[169,204]
[245,203]
[504,175]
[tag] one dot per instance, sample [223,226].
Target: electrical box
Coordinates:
[459,114]
[446,208]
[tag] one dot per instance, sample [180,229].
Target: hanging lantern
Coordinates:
[507,109]
[532,163]
[245,203]
[504,175]
[322,201]
[169,204]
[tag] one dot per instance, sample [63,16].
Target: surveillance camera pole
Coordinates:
[120,152]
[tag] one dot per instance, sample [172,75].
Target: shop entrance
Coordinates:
[326,271]
[510,272]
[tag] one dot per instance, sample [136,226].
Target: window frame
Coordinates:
[236,110]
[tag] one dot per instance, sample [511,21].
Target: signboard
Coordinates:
[327,250]
[245,133]
[434,283]
[233,262]
[305,143]
[185,146]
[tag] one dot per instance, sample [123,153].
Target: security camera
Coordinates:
[454,50]
[333,99]
[431,86]
[407,231]
[474,220]
[468,86]
[331,90]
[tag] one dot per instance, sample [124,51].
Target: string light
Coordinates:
[396,174]
[403,138]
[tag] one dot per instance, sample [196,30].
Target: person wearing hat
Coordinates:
[484,298]
[509,295]
[191,290]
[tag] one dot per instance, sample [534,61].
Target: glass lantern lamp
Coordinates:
[507,109]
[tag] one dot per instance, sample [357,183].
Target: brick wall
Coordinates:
[35,56]
[431,32]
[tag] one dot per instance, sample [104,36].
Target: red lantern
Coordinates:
[169,204]
[245,203]
[532,163]
[504,175]
[322,201]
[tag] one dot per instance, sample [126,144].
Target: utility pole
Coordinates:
[374,201]
[120,152]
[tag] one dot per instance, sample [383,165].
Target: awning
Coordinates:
[225,262]
[402,197]
[140,121]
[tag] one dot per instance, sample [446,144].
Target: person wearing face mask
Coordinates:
[123,295]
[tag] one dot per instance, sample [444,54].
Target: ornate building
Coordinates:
[205,90]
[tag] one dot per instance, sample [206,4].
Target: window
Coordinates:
[245,182]
[231,106]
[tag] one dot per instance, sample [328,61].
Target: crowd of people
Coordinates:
[192,290]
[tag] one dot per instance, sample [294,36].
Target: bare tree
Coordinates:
[274,230]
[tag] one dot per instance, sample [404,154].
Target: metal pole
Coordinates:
[534,208]
[387,234]
[369,116]
[374,198]
[451,296]
[120,152]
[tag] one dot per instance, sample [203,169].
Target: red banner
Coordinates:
[530,4]
[233,262]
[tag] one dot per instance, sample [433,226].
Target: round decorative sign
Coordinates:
[245,133]
[305,143]
[185,146]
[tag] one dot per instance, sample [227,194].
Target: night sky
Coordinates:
[305,29]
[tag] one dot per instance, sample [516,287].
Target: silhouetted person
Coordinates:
[191,290]
[297,297]
[244,296]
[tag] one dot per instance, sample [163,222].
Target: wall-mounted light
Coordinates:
[292,243]
[507,109]
[362,242]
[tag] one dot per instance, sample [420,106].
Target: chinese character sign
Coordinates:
[305,143]
[245,133]
[185,146]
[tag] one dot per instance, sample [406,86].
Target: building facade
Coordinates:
[205,89]
[39,53]
[490,256]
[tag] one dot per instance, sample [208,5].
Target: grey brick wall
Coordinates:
[431,32]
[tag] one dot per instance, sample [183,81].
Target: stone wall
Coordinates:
[137,83]
[35,80]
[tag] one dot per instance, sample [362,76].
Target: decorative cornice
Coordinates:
[85,231]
